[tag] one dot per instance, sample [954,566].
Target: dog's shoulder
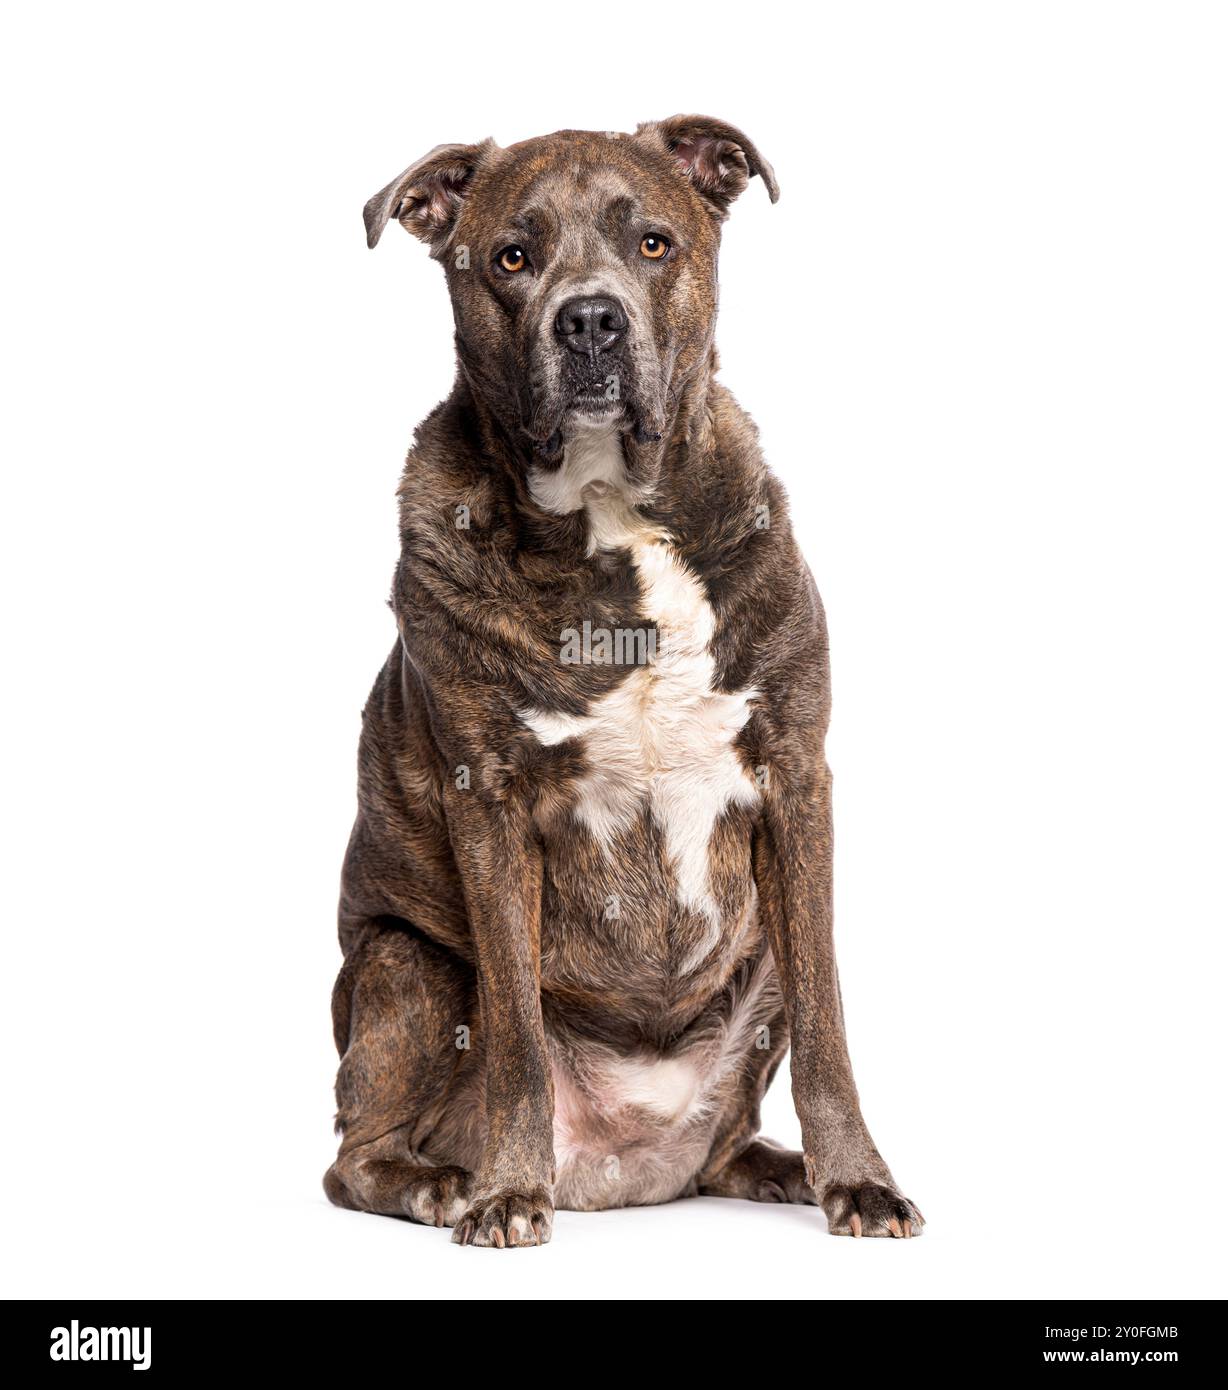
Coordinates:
[735,532]
[447,488]
[457,522]
[729,516]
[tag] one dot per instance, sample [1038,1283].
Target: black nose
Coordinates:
[591,325]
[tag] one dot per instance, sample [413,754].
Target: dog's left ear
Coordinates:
[426,198]
[717,158]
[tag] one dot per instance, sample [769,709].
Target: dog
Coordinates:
[587,902]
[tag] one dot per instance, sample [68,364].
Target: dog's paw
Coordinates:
[438,1196]
[506,1218]
[870,1210]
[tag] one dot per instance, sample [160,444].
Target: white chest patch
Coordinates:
[663,735]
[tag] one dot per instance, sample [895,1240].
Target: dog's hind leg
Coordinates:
[761,1172]
[741,1164]
[402,1007]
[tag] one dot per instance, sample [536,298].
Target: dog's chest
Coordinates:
[664,736]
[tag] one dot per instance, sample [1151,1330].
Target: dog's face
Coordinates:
[582,266]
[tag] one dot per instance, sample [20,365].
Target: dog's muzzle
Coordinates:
[592,332]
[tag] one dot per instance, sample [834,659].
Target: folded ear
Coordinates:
[427,197]
[717,158]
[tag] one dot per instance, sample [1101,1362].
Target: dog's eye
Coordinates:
[513,259]
[654,247]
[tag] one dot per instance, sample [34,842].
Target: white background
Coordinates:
[984,335]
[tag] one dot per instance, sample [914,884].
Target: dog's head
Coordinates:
[582,266]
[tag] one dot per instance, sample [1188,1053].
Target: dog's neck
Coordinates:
[594,478]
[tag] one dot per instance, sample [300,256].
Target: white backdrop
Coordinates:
[1004,435]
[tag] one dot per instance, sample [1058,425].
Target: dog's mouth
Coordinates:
[602,387]
[594,385]
[594,402]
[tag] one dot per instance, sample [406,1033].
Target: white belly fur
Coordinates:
[663,735]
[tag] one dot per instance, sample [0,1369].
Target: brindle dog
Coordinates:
[587,903]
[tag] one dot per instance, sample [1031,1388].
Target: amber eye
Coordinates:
[654,247]
[513,259]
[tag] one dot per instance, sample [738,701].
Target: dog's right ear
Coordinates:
[427,197]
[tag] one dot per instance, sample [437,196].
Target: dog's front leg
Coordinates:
[500,866]
[793,871]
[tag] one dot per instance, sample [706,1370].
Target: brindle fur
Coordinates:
[474,905]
